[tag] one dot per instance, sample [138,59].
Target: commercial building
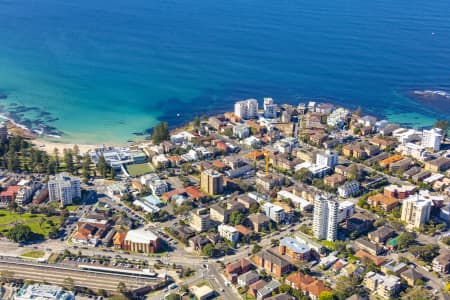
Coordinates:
[42,292]
[416,209]
[295,249]
[64,188]
[325,218]
[142,240]
[431,139]
[246,109]
[211,182]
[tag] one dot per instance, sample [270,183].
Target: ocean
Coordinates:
[106,71]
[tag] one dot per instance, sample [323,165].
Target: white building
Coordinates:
[3,131]
[228,232]
[348,189]
[160,161]
[431,139]
[416,209]
[64,188]
[270,108]
[148,178]
[327,159]
[386,286]
[42,292]
[413,150]
[346,210]
[286,145]
[337,117]
[298,201]
[274,212]
[325,218]
[181,137]
[241,131]
[246,109]
[404,135]
[26,192]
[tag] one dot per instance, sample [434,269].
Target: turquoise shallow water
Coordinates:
[100,71]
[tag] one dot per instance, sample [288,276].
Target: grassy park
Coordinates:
[139,169]
[39,223]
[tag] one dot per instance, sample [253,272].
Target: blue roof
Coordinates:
[295,245]
[152,200]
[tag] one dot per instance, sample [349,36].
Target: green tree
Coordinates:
[405,240]
[256,248]
[325,295]
[160,133]
[416,293]
[353,173]
[442,124]
[208,250]
[6,276]
[122,288]
[236,218]
[304,175]
[426,252]
[20,233]
[68,283]
[102,167]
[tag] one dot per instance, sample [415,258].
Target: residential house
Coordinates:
[411,276]
[234,269]
[267,290]
[244,280]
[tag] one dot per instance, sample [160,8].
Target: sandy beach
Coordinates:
[49,147]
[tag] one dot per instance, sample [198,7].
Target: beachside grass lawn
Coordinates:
[33,254]
[9,218]
[139,169]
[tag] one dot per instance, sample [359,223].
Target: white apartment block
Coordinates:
[274,212]
[246,109]
[327,159]
[270,108]
[404,135]
[337,117]
[431,139]
[416,209]
[348,189]
[346,210]
[386,286]
[413,150]
[228,232]
[325,218]
[64,188]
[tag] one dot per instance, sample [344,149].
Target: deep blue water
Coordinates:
[100,71]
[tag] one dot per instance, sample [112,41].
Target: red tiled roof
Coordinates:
[194,192]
